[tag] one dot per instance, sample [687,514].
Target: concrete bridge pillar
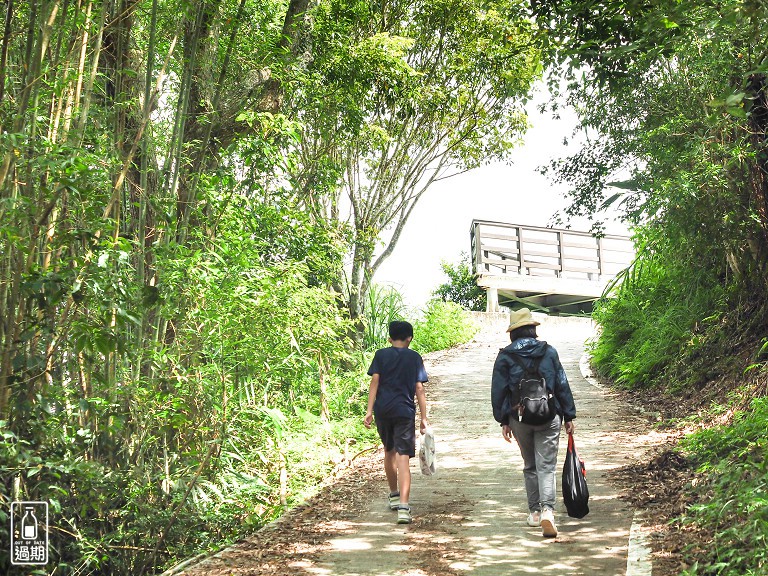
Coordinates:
[492,299]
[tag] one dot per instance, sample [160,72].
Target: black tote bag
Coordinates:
[575,491]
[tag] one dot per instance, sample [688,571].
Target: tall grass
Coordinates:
[438,326]
[675,326]
[655,317]
[383,305]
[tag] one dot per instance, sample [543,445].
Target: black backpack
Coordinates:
[537,404]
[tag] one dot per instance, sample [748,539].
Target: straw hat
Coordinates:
[519,318]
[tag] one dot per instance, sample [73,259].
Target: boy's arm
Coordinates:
[372,390]
[421,397]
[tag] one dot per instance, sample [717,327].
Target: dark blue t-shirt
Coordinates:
[399,369]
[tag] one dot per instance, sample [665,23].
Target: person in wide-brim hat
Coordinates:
[537,362]
[522,317]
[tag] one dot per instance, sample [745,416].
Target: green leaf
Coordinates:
[631,184]
[735,99]
[609,201]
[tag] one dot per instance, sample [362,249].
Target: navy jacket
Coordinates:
[507,374]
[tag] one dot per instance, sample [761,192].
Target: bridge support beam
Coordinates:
[548,294]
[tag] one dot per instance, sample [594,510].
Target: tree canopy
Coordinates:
[415,93]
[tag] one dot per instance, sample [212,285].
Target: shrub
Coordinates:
[444,325]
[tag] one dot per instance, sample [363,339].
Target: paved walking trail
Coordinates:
[469,519]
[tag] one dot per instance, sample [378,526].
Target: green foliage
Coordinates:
[461,287]
[671,129]
[648,324]
[672,97]
[168,317]
[316,450]
[444,325]
[732,501]
[175,359]
[191,450]
[744,437]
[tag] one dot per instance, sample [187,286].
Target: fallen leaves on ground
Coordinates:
[298,539]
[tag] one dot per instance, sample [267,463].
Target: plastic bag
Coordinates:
[575,491]
[427,459]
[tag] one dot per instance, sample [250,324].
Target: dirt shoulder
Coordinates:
[470,517]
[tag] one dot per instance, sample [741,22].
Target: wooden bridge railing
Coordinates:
[500,249]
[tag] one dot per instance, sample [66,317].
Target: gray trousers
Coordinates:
[538,447]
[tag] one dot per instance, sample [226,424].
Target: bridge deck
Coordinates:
[550,269]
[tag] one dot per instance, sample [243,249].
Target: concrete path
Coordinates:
[470,517]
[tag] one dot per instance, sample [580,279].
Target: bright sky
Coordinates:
[438,228]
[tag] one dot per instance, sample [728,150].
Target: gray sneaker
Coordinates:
[394,501]
[404,515]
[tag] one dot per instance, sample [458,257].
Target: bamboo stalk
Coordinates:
[92,77]
[323,370]
[23,99]
[4,51]
[83,48]
[144,191]
[174,515]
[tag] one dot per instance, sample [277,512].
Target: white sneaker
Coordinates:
[534,519]
[548,528]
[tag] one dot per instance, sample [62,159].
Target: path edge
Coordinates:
[639,561]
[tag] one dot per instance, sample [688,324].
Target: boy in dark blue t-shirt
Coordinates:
[397,374]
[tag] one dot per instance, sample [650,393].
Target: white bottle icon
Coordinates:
[29,525]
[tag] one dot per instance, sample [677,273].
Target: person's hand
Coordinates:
[506,431]
[569,427]
[424,425]
[368,419]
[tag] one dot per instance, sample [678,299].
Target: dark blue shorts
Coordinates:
[397,434]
